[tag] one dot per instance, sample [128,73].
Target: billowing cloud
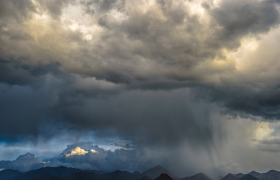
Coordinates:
[77,151]
[163,75]
[23,163]
[95,158]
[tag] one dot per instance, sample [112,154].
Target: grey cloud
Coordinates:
[127,146]
[268,148]
[270,141]
[137,72]
[101,6]
[243,99]
[139,158]
[90,160]
[16,9]
[54,7]
[36,90]
[243,17]
[129,51]
[269,145]
[15,73]
[98,105]
[23,163]
[132,116]
[141,53]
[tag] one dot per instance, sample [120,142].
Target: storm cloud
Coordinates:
[158,74]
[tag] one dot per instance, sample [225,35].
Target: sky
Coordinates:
[130,84]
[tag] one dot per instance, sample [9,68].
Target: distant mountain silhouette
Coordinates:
[239,175]
[64,173]
[9,174]
[82,176]
[157,171]
[272,173]
[199,176]
[164,177]
[122,175]
[248,177]
[116,175]
[229,177]
[48,171]
[94,171]
[145,178]
[47,177]
[255,174]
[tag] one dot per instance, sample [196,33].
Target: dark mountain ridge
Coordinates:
[239,175]
[9,174]
[230,177]
[157,171]
[270,175]
[255,174]
[199,176]
[65,173]
[60,171]
[164,177]
[248,177]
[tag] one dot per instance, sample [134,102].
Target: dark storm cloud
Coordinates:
[15,73]
[152,115]
[44,94]
[244,99]
[129,70]
[167,38]
[148,72]
[29,95]
[167,47]
[238,19]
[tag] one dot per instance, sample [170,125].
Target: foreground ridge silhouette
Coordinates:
[164,177]
[156,173]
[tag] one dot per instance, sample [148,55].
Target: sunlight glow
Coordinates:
[248,45]
[263,130]
[93,151]
[77,151]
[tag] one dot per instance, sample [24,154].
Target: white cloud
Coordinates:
[77,151]
[93,151]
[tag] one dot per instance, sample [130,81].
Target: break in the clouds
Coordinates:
[164,75]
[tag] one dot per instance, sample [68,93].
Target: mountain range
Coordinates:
[156,173]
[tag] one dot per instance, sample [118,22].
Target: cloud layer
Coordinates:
[72,53]
[85,156]
[161,73]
